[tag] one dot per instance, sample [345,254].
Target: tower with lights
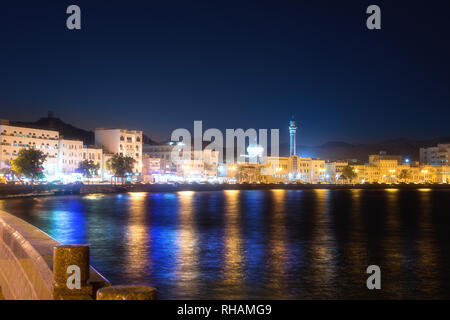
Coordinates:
[292,132]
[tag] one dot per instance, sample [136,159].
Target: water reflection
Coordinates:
[277,245]
[138,235]
[427,260]
[187,253]
[60,217]
[393,245]
[233,274]
[259,244]
[322,266]
[357,246]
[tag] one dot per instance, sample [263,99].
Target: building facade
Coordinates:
[121,141]
[439,155]
[69,156]
[294,169]
[14,139]
[333,170]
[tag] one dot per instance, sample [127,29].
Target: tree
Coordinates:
[349,173]
[404,175]
[120,165]
[88,168]
[30,164]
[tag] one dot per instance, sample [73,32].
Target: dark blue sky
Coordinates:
[160,65]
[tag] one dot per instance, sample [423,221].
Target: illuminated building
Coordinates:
[152,167]
[435,155]
[294,169]
[389,169]
[106,175]
[14,139]
[123,142]
[317,170]
[292,142]
[196,166]
[333,170]
[73,152]
[443,174]
[69,156]
[163,152]
[191,169]
[202,165]
[245,172]
[94,154]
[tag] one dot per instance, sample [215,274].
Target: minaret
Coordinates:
[292,131]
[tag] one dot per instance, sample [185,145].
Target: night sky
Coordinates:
[160,65]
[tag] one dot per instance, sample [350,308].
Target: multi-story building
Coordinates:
[94,154]
[439,155]
[333,170]
[73,152]
[443,174]
[303,169]
[106,174]
[191,169]
[197,164]
[294,168]
[163,152]
[382,168]
[14,139]
[152,167]
[390,169]
[277,169]
[69,156]
[123,142]
[317,171]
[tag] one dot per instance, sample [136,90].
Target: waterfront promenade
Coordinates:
[12,191]
[35,266]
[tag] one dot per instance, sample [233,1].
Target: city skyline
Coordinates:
[227,155]
[233,66]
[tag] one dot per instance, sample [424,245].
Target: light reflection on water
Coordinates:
[273,244]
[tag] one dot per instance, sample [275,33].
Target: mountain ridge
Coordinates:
[66,130]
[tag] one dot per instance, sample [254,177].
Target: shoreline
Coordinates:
[19,191]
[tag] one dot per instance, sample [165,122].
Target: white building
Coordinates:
[95,154]
[152,167]
[163,152]
[73,152]
[121,141]
[439,155]
[70,155]
[14,139]
[202,165]
[198,164]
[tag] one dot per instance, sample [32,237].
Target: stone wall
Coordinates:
[26,261]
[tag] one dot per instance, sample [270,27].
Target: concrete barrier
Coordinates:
[27,261]
[127,293]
